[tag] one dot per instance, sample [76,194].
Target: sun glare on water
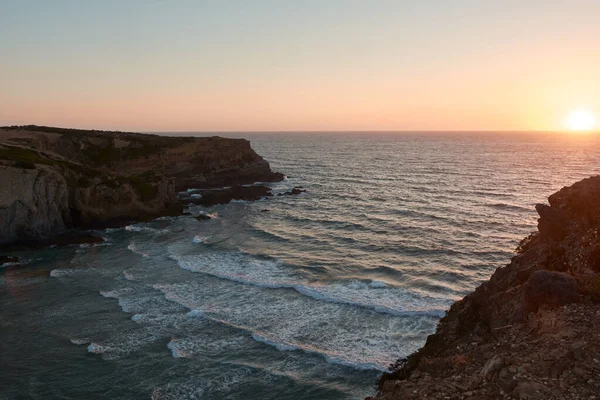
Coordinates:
[580,121]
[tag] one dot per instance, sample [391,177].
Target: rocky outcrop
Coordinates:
[295,191]
[191,162]
[52,178]
[228,194]
[533,330]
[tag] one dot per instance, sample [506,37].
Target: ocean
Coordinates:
[292,297]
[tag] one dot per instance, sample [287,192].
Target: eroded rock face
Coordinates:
[34,203]
[101,203]
[52,178]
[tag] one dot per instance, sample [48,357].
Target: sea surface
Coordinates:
[291,297]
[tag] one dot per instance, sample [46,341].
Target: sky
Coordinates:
[284,65]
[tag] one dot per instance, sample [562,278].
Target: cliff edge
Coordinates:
[52,179]
[533,330]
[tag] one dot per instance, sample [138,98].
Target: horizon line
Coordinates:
[417,131]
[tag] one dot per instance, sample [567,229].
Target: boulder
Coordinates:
[491,367]
[553,222]
[295,191]
[236,192]
[549,289]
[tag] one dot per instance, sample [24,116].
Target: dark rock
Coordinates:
[74,238]
[236,192]
[202,217]
[581,201]
[530,391]
[491,367]
[553,223]
[295,191]
[549,289]
[264,210]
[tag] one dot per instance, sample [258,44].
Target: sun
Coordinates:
[580,120]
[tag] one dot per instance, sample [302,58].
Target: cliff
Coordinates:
[54,178]
[533,330]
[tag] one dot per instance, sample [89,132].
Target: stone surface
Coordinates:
[226,195]
[293,192]
[549,289]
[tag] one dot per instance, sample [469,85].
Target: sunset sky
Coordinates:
[298,65]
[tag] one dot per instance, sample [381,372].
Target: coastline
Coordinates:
[56,179]
[533,330]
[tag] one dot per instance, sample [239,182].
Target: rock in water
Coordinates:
[295,191]
[236,192]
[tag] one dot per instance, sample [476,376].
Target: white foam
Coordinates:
[214,215]
[55,273]
[79,342]
[8,264]
[374,295]
[200,239]
[346,336]
[132,247]
[175,351]
[145,229]
[278,346]
[97,349]
[128,276]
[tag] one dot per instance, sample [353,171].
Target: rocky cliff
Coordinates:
[533,330]
[53,178]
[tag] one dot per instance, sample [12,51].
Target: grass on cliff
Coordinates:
[28,158]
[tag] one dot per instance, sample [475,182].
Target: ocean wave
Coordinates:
[511,207]
[56,273]
[8,264]
[375,295]
[282,345]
